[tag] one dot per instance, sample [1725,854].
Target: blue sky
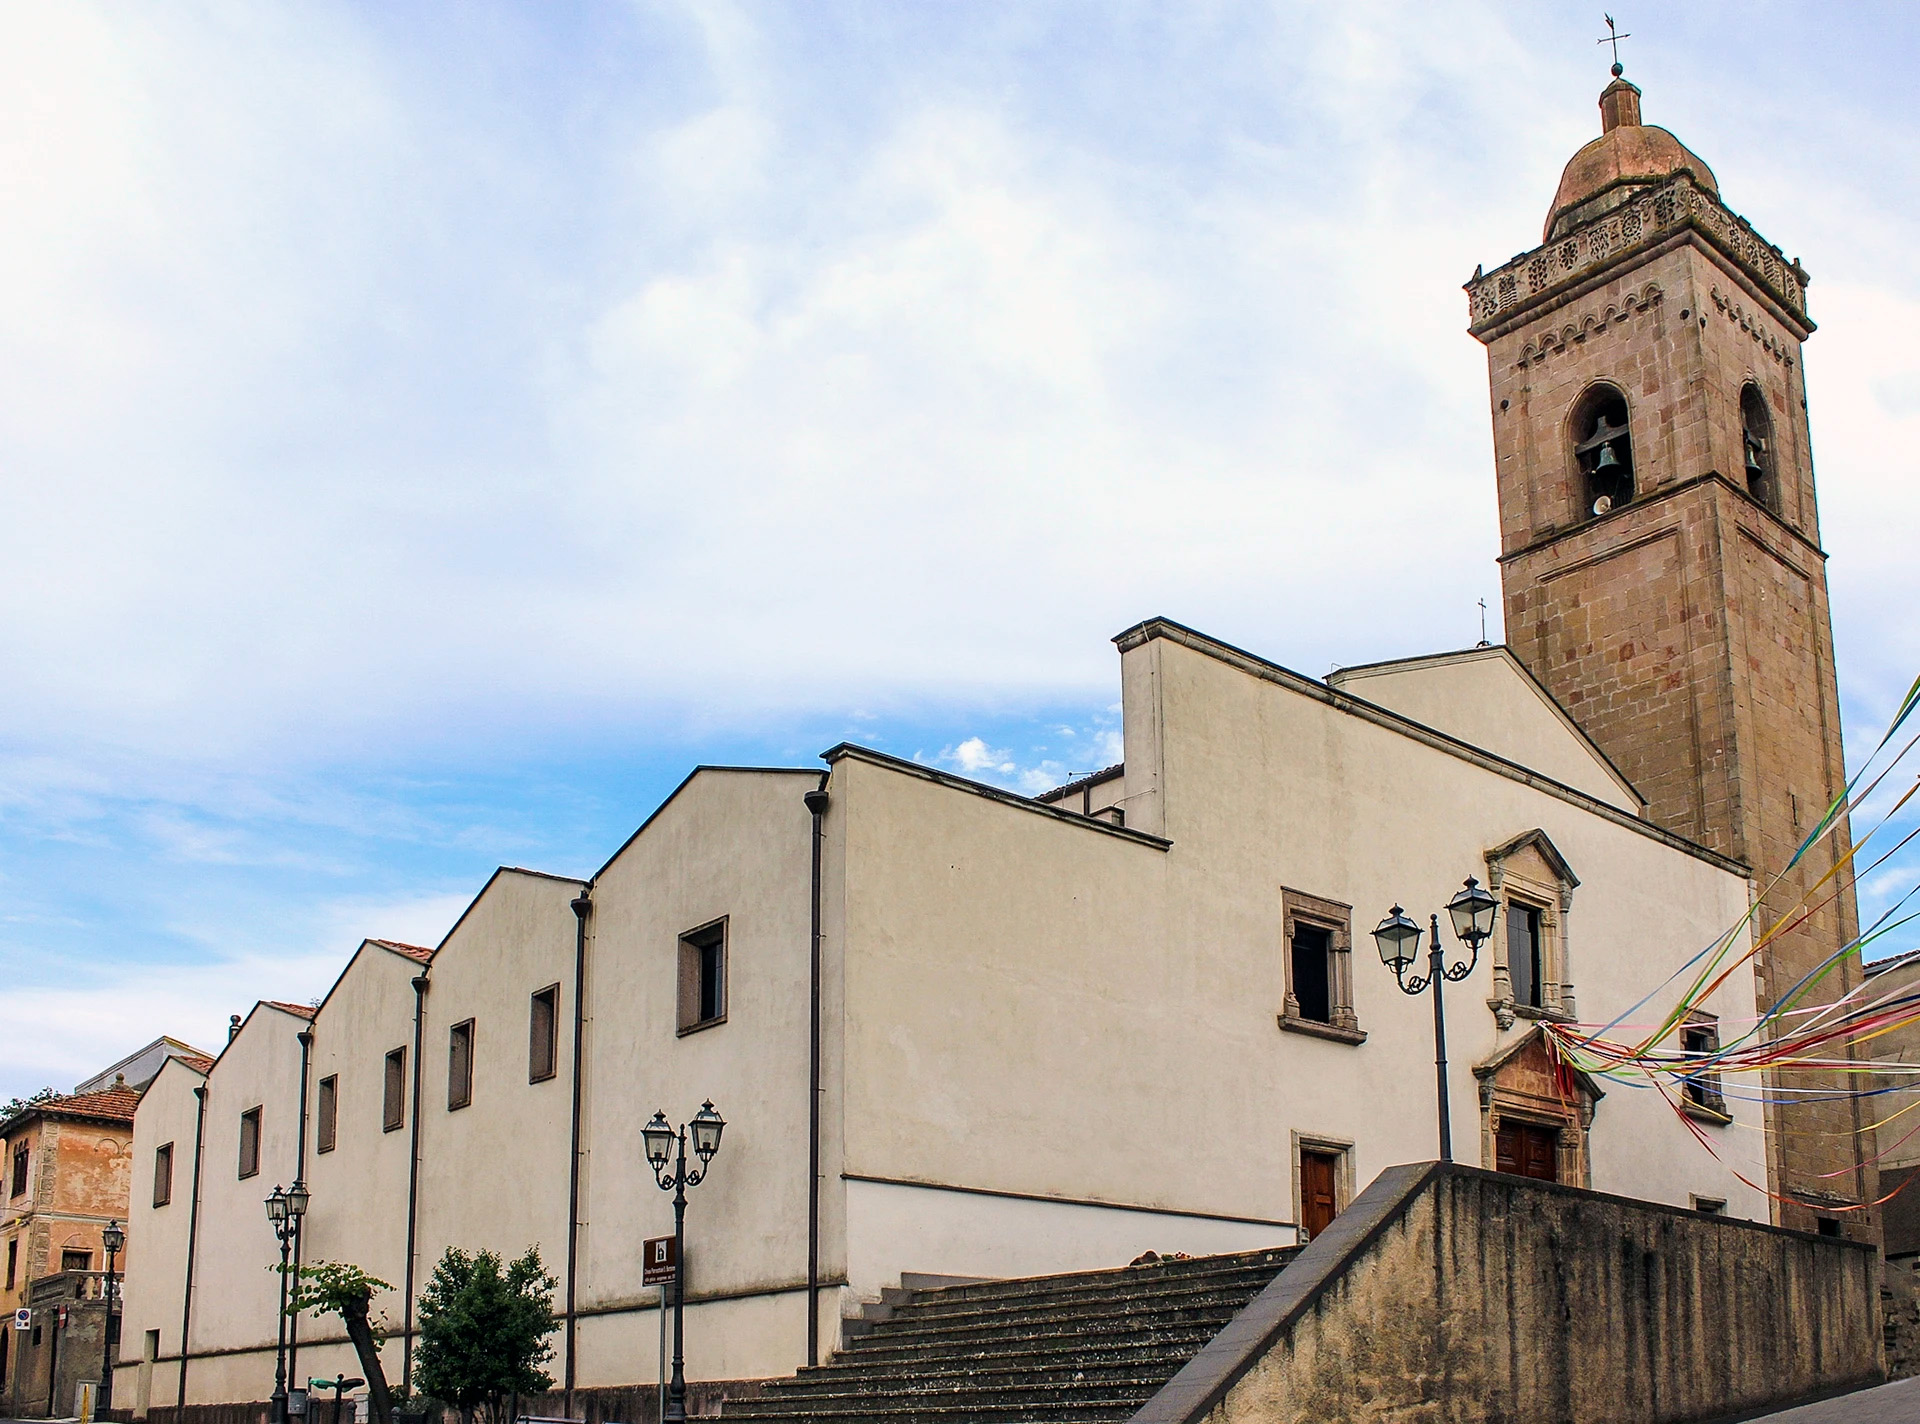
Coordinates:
[429,431]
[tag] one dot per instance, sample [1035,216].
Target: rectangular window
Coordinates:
[543,1039]
[163,1174]
[393,1093]
[1701,1089]
[1523,953]
[76,1260]
[328,1119]
[459,1065]
[1710,1206]
[250,1142]
[1316,958]
[703,976]
[1312,972]
[20,1170]
[13,1260]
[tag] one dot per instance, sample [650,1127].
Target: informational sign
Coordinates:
[659,1261]
[23,1319]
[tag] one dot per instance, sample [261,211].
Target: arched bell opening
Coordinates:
[1756,441]
[1603,450]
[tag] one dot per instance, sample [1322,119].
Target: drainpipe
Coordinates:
[582,907]
[413,1183]
[300,1176]
[816,800]
[193,1233]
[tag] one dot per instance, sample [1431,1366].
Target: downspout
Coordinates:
[300,1178]
[816,800]
[413,1183]
[193,1234]
[582,907]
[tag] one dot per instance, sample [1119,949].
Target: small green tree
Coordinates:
[16,1106]
[483,1333]
[336,1288]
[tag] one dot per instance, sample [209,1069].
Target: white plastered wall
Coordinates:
[157,1235]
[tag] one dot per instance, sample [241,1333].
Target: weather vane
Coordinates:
[1613,37]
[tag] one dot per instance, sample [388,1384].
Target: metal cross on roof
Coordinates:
[1613,37]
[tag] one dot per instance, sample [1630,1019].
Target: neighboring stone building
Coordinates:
[1660,547]
[67,1164]
[962,1032]
[1896,1144]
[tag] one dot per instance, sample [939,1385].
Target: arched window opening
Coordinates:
[1603,449]
[1756,430]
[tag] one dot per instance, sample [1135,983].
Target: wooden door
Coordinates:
[1318,1204]
[1527,1151]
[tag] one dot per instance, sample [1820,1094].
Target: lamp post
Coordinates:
[113,1238]
[1472,911]
[665,1141]
[284,1210]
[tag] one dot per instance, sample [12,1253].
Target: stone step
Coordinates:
[1052,1370]
[1092,1320]
[987,1392]
[1070,1408]
[1242,1280]
[1273,1256]
[1111,1346]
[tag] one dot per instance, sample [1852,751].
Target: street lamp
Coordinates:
[113,1238]
[284,1210]
[1472,911]
[665,1141]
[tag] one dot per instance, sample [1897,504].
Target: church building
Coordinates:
[959,1032]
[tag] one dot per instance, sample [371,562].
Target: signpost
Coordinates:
[660,1266]
[23,1319]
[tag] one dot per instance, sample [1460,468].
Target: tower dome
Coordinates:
[1627,157]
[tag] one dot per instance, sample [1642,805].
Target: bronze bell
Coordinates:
[1608,460]
[1754,470]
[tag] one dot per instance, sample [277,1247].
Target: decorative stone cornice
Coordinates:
[1676,206]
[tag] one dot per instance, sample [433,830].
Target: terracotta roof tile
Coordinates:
[109,1105]
[417,952]
[299,1011]
[196,1062]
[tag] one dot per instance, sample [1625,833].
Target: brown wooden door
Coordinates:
[1318,1205]
[1527,1151]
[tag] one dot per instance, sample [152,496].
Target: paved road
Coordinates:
[1896,1403]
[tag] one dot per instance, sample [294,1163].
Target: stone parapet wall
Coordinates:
[1447,1293]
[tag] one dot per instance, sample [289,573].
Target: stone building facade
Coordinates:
[1660,548]
[68,1164]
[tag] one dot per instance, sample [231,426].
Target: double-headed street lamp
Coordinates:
[664,1142]
[284,1210]
[1472,912]
[113,1238]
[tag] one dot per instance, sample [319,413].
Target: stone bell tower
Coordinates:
[1660,549]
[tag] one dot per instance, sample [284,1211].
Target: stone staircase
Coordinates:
[1072,1349]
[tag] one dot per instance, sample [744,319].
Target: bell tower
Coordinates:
[1660,546]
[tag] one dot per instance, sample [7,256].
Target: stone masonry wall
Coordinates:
[1489,1299]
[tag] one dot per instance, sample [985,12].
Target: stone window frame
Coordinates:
[1553,899]
[1336,918]
[1599,390]
[1711,1105]
[1340,1148]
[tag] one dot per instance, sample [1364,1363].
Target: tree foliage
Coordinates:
[338,1288]
[16,1106]
[483,1332]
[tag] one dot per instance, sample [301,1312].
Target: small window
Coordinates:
[1756,441]
[20,1170]
[163,1174]
[1316,935]
[393,1092]
[1700,1038]
[1603,449]
[76,1260]
[250,1142]
[1312,972]
[543,1015]
[1523,954]
[329,1115]
[13,1261]
[1710,1206]
[703,977]
[460,1065]
[1829,1226]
